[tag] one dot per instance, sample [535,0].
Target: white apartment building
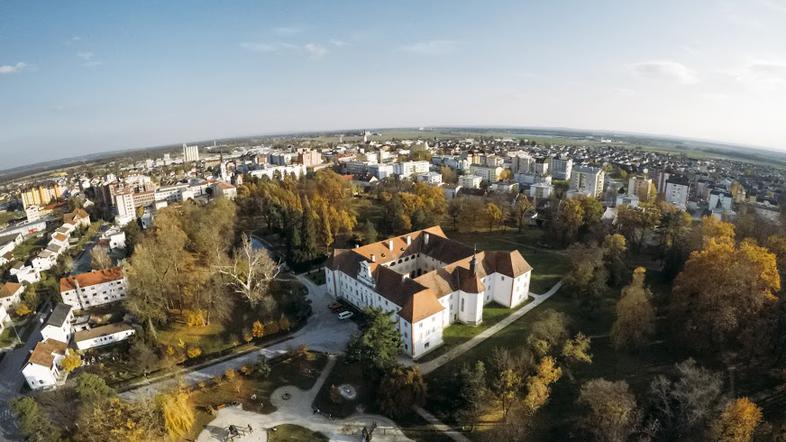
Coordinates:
[541,190]
[409,168]
[561,168]
[190,153]
[677,192]
[521,162]
[470,181]
[586,181]
[640,187]
[94,288]
[488,174]
[433,178]
[272,172]
[125,208]
[381,170]
[426,282]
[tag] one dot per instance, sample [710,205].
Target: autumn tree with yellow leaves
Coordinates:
[737,422]
[177,413]
[635,323]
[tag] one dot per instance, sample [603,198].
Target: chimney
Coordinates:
[373,258]
[390,245]
[409,240]
[425,238]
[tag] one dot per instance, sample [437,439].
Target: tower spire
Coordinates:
[474,259]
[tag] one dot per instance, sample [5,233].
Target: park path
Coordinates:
[437,424]
[297,409]
[428,367]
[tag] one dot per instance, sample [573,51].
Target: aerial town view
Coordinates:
[393,221]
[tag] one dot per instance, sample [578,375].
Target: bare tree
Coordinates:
[250,272]
[100,259]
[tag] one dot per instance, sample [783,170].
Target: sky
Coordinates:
[83,77]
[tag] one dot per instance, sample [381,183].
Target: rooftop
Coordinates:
[59,314]
[44,351]
[91,278]
[103,330]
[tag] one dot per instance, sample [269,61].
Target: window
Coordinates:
[462,305]
[426,345]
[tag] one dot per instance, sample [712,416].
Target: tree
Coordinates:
[685,404]
[493,214]
[610,410]
[400,390]
[100,259]
[71,361]
[178,416]
[636,222]
[737,421]
[522,209]
[614,251]
[550,331]
[370,234]
[456,210]
[117,419]
[567,217]
[34,424]
[538,385]
[449,175]
[472,393]
[251,272]
[504,378]
[283,323]
[257,329]
[635,323]
[726,310]
[92,388]
[587,275]
[143,357]
[376,347]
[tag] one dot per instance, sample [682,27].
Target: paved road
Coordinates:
[436,423]
[297,410]
[428,367]
[11,379]
[323,332]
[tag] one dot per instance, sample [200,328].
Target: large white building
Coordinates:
[190,153]
[42,369]
[587,181]
[561,168]
[677,192]
[427,282]
[103,335]
[94,288]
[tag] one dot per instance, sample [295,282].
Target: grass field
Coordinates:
[548,265]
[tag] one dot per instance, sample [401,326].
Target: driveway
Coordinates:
[296,409]
[323,332]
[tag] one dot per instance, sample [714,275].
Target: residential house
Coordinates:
[10,294]
[78,218]
[103,335]
[58,324]
[42,370]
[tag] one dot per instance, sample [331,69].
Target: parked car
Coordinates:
[335,306]
[345,315]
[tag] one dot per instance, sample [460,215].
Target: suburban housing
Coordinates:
[428,282]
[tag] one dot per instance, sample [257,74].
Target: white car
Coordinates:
[345,315]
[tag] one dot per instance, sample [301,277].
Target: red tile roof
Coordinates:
[91,278]
[8,289]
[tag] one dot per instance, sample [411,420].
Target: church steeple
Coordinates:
[474,259]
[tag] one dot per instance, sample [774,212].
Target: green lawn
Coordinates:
[8,338]
[293,433]
[457,334]
[344,373]
[548,265]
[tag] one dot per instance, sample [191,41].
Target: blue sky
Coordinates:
[81,77]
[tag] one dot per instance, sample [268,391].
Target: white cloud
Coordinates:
[87,55]
[13,68]
[338,43]
[763,72]
[431,47]
[287,31]
[665,70]
[313,50]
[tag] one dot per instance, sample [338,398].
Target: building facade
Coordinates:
[94,288]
